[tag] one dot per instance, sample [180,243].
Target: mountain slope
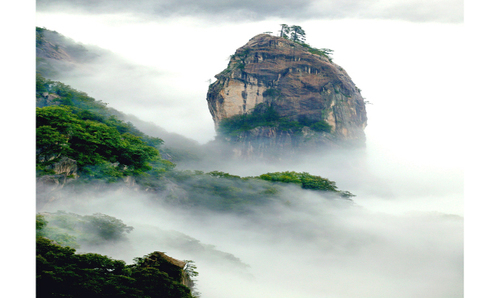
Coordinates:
[56,53]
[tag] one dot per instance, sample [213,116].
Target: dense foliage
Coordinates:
[61,133]
[266,116]
[60,272]
[75,126]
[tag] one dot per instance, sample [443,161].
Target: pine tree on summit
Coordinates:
[285,29]
[297,34]
[294,33]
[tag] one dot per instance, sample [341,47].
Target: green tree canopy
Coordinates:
[285,30]
[60,272]
[297,34]
[62,133]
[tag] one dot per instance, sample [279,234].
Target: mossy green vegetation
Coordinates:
[272,93]
[306,181]
[266,116]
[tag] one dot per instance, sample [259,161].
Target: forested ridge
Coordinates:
[61,272]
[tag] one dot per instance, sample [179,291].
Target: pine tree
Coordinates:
[297,34]
[285,29]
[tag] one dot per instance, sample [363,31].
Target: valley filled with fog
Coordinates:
[396,238]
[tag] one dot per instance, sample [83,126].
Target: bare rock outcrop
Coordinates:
[173,267]
[300,86]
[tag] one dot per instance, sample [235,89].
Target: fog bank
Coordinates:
[309,247]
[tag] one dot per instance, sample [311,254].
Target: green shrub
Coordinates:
[271,92]
[321,126]
[305,180]
[267,116]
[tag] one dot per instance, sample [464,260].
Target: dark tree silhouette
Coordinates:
[297,34]
[285,30]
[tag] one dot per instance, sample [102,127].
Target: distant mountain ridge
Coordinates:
[55,52]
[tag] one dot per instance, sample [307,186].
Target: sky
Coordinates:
[407,57]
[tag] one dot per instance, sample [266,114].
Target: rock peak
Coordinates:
[276,93]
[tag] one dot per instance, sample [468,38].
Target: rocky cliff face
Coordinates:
[300,87]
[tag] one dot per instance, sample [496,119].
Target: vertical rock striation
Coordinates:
[303,90]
